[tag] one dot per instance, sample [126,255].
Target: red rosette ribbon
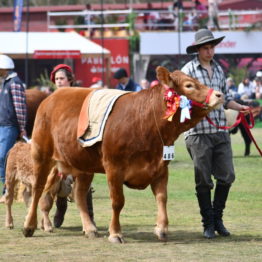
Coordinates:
[172,102]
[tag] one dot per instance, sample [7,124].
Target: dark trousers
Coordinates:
[212,155]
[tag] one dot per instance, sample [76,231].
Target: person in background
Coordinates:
[208,146]
[97,82]
[232,88]
[144,83]
[154,83]
[62,76]
[246,89]
[258,87]
[13,112]
[124,82]
[202,14]
[213,14]
[177,9]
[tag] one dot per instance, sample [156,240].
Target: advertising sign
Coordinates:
[90,69]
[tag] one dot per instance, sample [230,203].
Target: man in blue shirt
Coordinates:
[124,82]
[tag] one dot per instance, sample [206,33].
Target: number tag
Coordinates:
[168,152]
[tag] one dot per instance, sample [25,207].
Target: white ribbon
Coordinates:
[185,106]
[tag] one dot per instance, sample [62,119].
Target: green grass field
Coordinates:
[243,217]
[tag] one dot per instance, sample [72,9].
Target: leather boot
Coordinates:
[89,200]
[61,207]
[206,211]
[219,203]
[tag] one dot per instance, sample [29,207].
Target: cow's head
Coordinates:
[189,87]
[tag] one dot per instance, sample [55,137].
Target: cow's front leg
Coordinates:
[118,201]
[81,187]
[159,188]
[41,171]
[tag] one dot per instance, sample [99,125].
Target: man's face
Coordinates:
[3,72]
[206,52]
[122,80]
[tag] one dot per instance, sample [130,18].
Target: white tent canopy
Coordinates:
[17,44]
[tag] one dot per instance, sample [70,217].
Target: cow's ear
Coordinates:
[177,76]
[162,75]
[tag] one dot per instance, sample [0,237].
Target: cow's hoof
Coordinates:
[28,232]
[10,226]
[48,230]
[116,239]
[91,234]
[161,234]
[162,237]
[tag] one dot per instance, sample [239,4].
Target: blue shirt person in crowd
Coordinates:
[124,82]
[208,146]
[13,111]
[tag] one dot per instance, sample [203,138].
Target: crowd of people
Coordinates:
[246,89]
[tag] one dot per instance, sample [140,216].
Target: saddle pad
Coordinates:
[96,109]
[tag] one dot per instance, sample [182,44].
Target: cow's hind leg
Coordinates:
[41,170]
[118,201]
[81,187]
[159,188]
[45,204]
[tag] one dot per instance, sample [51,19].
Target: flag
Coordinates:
[18,8]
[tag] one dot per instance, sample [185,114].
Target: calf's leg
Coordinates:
[159,188]
[9,197]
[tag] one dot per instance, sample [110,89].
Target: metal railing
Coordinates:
[230,20]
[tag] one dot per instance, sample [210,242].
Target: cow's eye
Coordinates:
[189,85]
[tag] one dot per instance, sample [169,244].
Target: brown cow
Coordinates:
[33,99]
[131,150]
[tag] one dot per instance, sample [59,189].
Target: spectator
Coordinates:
[13,112]
[177,12]
[124,82]
[154,83]
[208,146]
[62,76]
[213,14]
[232,88]
[258,87]
[89,20]
[246,89]
[144,84]
[97,82]
[202,14]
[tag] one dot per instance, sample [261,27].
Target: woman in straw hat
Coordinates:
[208,146]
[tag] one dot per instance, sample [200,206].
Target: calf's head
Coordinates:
[190,87]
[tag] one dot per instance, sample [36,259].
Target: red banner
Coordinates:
[91,68]
[56,54]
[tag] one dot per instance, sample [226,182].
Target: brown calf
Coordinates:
[19,168]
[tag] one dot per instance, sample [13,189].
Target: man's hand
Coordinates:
[244,109]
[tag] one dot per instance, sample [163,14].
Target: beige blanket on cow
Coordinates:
[99,106]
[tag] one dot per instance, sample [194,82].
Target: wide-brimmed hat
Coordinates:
[203,36]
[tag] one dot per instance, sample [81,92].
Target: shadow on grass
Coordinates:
[133,233]
[245,157]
